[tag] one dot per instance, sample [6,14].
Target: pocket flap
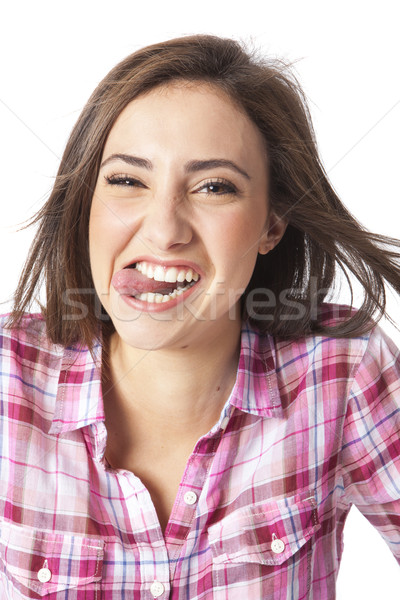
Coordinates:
[70,560]
[251,534]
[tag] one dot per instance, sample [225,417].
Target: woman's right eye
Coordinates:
[123,180]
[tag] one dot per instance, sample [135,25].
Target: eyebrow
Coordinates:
[192,166]
[213,163]
[130,160]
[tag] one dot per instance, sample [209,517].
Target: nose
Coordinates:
[166,225]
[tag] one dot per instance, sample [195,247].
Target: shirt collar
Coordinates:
[256,389]
[79,399]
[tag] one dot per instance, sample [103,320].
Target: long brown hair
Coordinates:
[321,235]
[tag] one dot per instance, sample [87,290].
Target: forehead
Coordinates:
[195,112]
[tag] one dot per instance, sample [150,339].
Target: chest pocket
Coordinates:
[260,543]
[39,564]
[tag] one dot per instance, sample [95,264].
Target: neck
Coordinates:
[184,388]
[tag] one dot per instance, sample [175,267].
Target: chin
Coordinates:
[147,336]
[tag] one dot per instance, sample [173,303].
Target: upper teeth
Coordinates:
[169,274]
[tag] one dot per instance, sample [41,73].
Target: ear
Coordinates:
[273,233]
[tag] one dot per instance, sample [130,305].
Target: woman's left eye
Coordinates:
[217,188]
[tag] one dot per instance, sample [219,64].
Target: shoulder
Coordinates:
[29,366]
[39,377]
[329,348]
[28,340]
[27,348]
[375,346]
[320,360]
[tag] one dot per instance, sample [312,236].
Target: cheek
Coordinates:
[244,233]
[236,242]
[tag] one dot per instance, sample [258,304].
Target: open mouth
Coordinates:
[158,284]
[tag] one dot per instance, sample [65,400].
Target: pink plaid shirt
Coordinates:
[310,428]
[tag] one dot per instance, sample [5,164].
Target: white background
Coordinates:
[347,53]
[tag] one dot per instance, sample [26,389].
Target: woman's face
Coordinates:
[179,213]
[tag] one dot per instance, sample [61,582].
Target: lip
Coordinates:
[153,307]
[166,263]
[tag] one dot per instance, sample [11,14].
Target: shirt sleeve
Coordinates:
[371,439]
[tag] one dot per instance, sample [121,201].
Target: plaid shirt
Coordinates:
[310,428]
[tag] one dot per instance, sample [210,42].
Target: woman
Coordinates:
[187,418]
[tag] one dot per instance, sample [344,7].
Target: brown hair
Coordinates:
[321,234]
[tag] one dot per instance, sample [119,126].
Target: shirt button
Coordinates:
[190,498]
[277,546]
[44,575]
[157,589]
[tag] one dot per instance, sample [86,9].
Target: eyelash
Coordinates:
[124,180]
[228,187]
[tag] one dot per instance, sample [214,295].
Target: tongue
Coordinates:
[132,282]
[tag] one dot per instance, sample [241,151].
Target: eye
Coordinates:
[217,187]
[123,180]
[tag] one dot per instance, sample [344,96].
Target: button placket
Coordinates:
[184,513]
[150,549]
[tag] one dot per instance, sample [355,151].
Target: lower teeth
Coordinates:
[160,298]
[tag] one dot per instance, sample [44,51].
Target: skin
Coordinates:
[173,371]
